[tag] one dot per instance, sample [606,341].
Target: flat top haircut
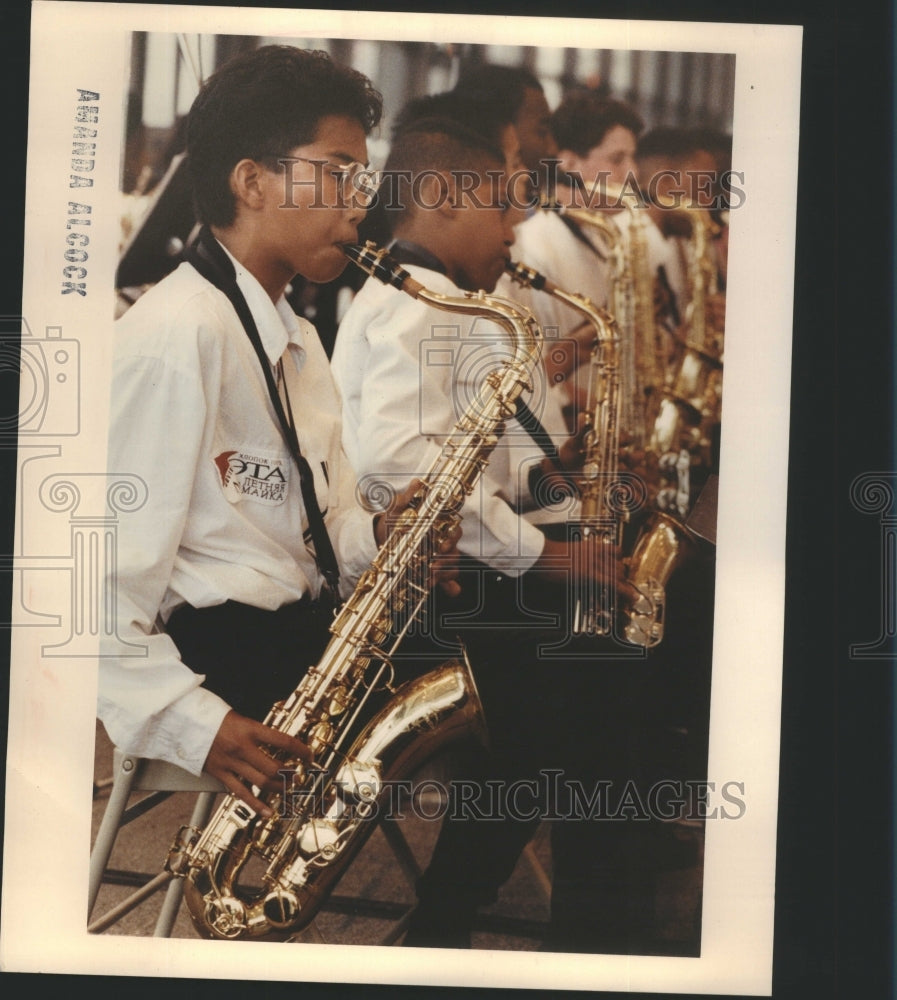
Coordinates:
[479,115]
[503,86]
[714,140]
[262,105]
[429,145]
[584,117]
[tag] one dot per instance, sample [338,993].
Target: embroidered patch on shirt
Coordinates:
[250,476]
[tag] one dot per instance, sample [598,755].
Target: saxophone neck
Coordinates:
[528,277]
[594,218]
[516,319]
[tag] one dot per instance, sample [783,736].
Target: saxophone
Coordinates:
[325,811]
[598,527]
[631,302]
[692,398]
[609,496]
[688,403]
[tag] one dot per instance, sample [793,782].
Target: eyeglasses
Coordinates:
[353,180]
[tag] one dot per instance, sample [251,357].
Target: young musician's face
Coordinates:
[613,159]
[537,144]
[484,234]
[689,180]
[520,180]
[701,177]
[310,212]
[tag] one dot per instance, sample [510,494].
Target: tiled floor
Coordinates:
[375,893]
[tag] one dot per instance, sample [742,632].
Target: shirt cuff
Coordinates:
[357,549]
[193,722]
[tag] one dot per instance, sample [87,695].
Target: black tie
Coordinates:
[207,256]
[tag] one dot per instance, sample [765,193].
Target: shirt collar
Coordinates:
[277,324]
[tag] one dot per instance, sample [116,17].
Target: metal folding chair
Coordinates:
[131,775]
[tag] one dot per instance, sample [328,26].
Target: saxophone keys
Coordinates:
[339,700]
[226,917]
[359,782]
[280,909]
[319,838]
[320,736]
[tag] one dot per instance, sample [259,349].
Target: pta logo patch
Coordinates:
[253,477]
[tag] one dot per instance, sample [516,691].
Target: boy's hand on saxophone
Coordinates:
[237,758]
[573,561]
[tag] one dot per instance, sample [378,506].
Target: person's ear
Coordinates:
[248,183]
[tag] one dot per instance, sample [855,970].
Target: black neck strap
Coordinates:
[581,236]
[210,260]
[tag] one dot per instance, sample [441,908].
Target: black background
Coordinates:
[834,927]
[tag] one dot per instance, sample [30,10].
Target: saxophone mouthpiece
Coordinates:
[526,276]
[376,262]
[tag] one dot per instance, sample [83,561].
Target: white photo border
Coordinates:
[52,715]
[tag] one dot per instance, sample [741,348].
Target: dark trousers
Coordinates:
[251,657]
[563,713]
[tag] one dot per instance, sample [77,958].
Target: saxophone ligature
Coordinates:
[324,813]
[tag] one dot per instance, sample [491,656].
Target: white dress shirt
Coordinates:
[406,372]
[544,242]
[224,518]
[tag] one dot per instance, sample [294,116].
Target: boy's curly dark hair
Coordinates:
[261,105]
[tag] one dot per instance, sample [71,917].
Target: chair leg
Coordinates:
[109,827]
[175,891]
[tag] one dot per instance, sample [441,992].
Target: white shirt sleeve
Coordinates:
[187,393]
[397,363]
[151,703]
